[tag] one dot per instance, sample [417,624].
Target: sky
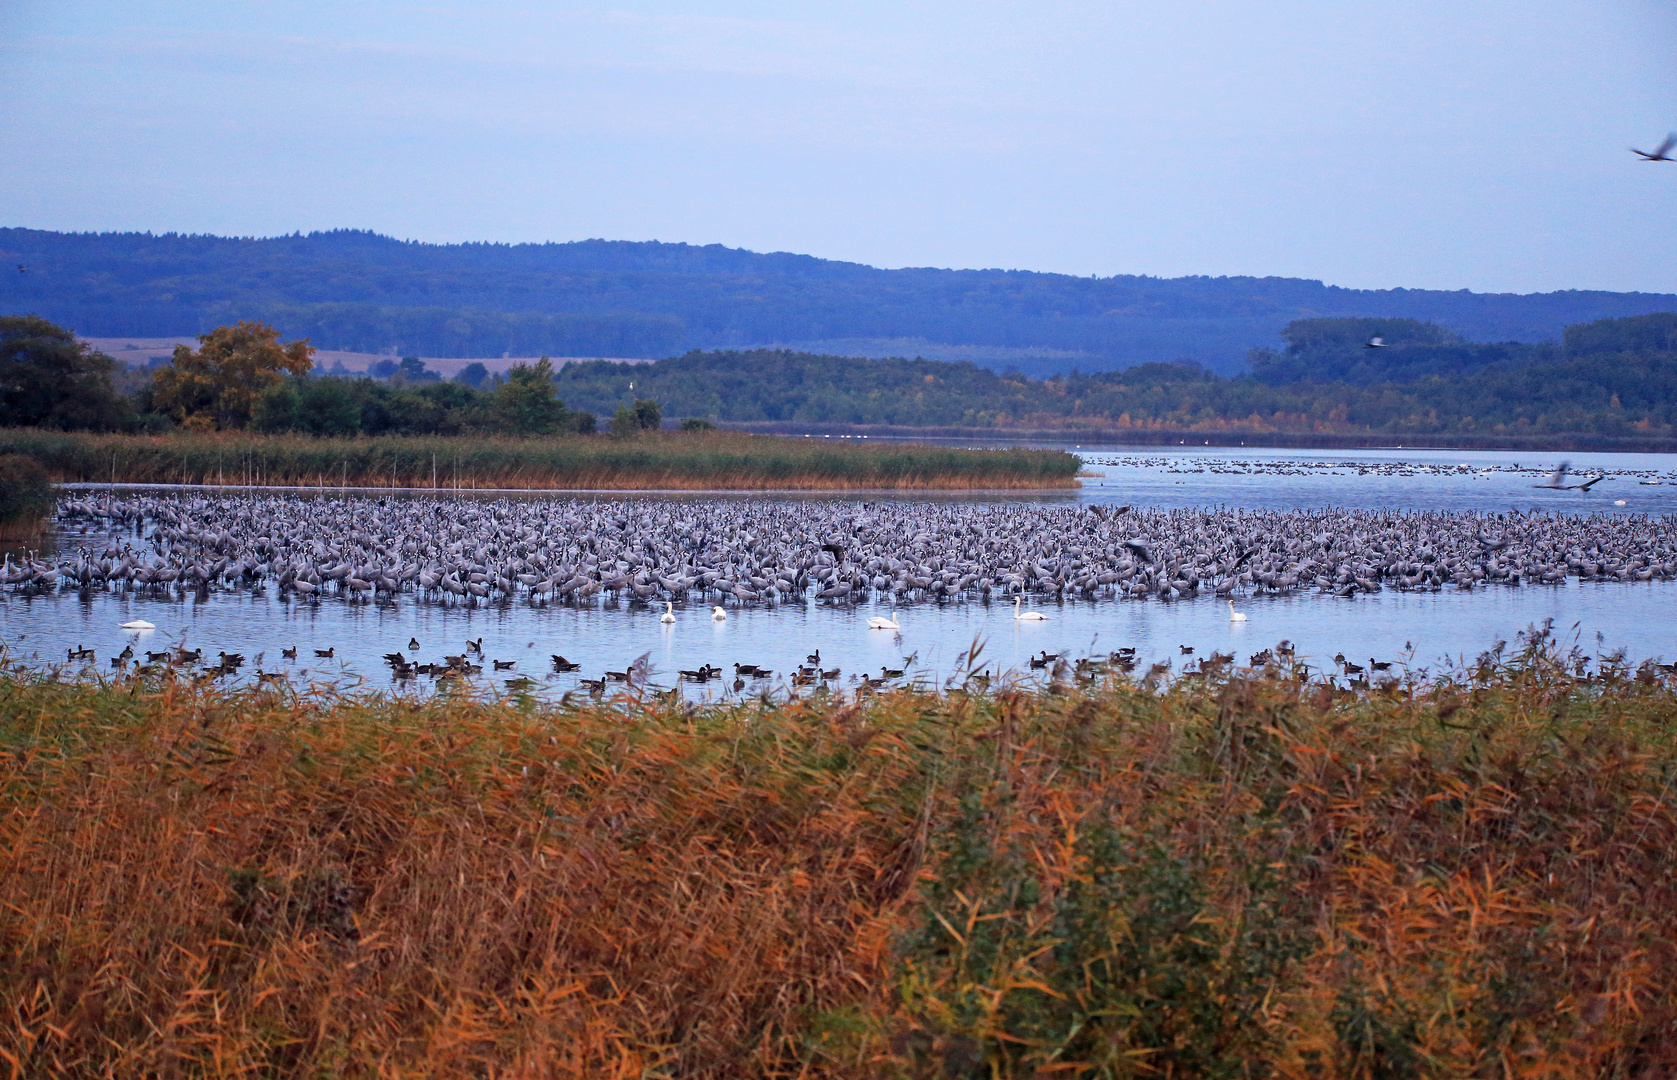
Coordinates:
[1377,144]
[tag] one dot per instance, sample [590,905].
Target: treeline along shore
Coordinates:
[1338,383]
[1245,872]
[696,460]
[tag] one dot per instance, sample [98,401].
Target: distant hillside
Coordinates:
[1610,379]
[358,291]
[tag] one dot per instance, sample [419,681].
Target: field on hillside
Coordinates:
[1243,874]
[666,460]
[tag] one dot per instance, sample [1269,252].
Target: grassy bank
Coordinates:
[663,460]
[686,460]
[1250,875]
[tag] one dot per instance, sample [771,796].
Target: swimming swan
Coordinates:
[669,613]
[1026,616]
[1236,616]
[138,624]
[878,622]
[718,614]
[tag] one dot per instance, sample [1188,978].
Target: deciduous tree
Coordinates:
[526,403]
[49,379]
[218,386]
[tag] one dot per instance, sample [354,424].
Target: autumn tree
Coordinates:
[218,386]
[49,379]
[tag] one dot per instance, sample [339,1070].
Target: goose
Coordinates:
[718,613]
[289,654]
[413,643]
[669,613]
[1236,616]
[1026,616]
[138,624]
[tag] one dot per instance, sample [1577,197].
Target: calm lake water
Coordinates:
[1426,630]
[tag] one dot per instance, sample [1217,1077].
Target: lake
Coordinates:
[1427,630]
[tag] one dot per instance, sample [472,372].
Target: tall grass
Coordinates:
[26,497]
[1246,875]
[685,460]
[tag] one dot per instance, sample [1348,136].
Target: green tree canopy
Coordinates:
[526,404]
[219,385]
[49,379]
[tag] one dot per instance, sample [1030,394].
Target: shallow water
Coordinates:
[1486,481]
[1428,630]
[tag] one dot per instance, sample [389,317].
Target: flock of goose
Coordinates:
[730,553]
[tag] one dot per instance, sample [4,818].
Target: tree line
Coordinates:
[242,377]
[1396,376]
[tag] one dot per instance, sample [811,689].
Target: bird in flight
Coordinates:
[1557,481]
[1659,154]
[1376,342]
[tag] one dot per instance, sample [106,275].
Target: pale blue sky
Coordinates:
[1422,144]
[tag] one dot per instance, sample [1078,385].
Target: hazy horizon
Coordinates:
[1428,146]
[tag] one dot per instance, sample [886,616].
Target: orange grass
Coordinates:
[1244,875]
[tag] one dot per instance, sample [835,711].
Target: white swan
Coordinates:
[138,624]
[718,614]
[1236,616]
[1026,616]
[669,613]
[877,622]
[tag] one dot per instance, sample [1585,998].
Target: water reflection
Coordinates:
[1423,629]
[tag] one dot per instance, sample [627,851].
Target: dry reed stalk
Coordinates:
[701,461]
[1238,875]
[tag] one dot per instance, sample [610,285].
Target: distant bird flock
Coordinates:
[723,554]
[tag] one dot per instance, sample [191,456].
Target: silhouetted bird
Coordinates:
[1657,155]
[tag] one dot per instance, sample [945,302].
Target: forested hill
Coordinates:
[1613,378]
[364,292]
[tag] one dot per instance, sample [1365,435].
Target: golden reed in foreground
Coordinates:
[667,460]
[1249,874]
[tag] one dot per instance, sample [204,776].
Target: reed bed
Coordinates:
[664,460]
[1246,874]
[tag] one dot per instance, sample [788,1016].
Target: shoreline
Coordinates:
[97,486]
[1168,437]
